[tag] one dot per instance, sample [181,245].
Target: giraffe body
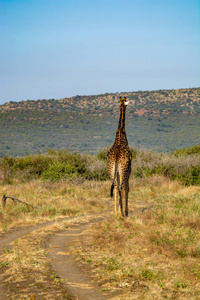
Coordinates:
[119,163]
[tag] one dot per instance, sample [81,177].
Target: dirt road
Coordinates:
[49,270]
[74,280]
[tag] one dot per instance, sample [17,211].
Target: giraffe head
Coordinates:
[123,101]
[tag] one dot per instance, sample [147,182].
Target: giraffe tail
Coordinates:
[113,183]
[111,190]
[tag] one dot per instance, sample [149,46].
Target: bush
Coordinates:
[102,155]
[36,164]
[54,165]
[184,168]
[59,171]
[97,169]
[183,165]
[187,151]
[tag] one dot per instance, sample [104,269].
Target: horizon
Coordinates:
[138,91]
[59,49]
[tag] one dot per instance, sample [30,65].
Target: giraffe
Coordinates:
[119,162]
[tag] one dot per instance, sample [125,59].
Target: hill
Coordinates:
[161,120]
[142,103]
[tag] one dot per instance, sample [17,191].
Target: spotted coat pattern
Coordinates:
[119,163]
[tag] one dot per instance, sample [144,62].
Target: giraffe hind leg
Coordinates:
[120,191]
[116,192]
[120,204]
[126,206]
[117,195]
[126,198]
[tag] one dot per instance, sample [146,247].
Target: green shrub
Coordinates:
[103,154]
[36,164]
[183,165]
[24,168]
[54,165]
[190,176]
[76,159]
[59,171]
[187,151]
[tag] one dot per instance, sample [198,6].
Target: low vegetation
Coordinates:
[55,165]
[55,200]
[181,165]
[153,254]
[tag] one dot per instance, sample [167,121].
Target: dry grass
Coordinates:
[55,200]
[154,254]
[27,271]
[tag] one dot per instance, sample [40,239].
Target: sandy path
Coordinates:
[9,237]
[76,281]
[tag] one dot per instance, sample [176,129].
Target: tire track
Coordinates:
[76,282]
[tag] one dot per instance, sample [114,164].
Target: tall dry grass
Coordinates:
[54,200]
[183,168]
[155,253]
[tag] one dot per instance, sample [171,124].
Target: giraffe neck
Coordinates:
[121,134]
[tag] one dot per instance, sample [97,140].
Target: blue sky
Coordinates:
[61,48]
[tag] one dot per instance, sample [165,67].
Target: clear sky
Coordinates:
[61,48]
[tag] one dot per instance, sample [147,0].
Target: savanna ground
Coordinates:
[152,254]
